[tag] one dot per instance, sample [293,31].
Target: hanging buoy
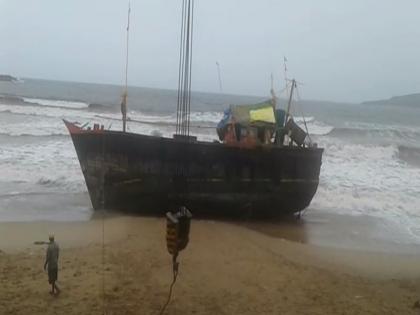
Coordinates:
[177,230]
[177,238]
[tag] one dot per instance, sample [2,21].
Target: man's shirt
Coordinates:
[52,255]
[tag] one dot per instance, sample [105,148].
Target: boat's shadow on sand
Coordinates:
[291,227]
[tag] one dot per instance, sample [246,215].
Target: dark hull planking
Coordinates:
[139,173]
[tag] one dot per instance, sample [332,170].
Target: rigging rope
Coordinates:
[184,94]
[103,223]
[175,276]
[103,262]
[301,110]
[285,89]
[157,123]
[180,72]
[185,69]
[190,74]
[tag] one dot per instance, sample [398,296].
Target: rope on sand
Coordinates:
[175,275]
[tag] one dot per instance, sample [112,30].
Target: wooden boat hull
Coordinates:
[147,174]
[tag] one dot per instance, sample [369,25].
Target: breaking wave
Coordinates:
[102,108]
[375,132]
[56,103]
[49,165]
[316,128]
[299,119]
[371,180]
[62,112]
[60,181]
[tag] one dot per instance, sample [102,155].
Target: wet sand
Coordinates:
[228,268]
[362,233]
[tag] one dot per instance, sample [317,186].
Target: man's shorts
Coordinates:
[52,275]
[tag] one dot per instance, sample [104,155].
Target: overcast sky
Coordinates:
[341,50]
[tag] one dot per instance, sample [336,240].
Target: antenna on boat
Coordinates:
[285,69]
[125,93]
[286,80]
[220,77]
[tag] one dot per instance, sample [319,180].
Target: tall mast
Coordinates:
[125,93]
[285,74]
[220,77]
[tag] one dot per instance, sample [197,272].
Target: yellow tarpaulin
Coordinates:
[265,114]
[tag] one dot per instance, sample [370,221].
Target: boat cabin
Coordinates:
[259,124]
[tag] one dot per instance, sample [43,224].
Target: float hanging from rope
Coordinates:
[177,238]
[177,230]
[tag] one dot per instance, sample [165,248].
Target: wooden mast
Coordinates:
[220,77]
[125,93]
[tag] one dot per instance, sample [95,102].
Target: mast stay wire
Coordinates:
[190,75]
[187,81]
[286,80]
[103,223]
[103,262]
[180,72]
[298,98]
[145,122]
[185,68]
[285,89]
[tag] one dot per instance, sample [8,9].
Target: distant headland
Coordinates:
[7,78]
[410,100]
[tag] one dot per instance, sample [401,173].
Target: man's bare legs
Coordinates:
[55,290]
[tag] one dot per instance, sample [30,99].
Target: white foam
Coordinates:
[358,179]
[299,119]
[56,103]
[54,161]
[38,121]
[392,132]
[315,127]
[34,126]
[212,117]
[57,112]
[195,117]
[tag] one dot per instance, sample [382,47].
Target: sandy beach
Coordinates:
[226,269]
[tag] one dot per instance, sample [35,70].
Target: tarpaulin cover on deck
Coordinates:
[222,125]
[265,114]
[256,113]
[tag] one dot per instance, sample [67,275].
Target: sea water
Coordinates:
[371,162]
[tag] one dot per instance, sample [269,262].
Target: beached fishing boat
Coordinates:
[263,164]
[135,172]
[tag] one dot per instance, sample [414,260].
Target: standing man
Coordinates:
[52,262]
